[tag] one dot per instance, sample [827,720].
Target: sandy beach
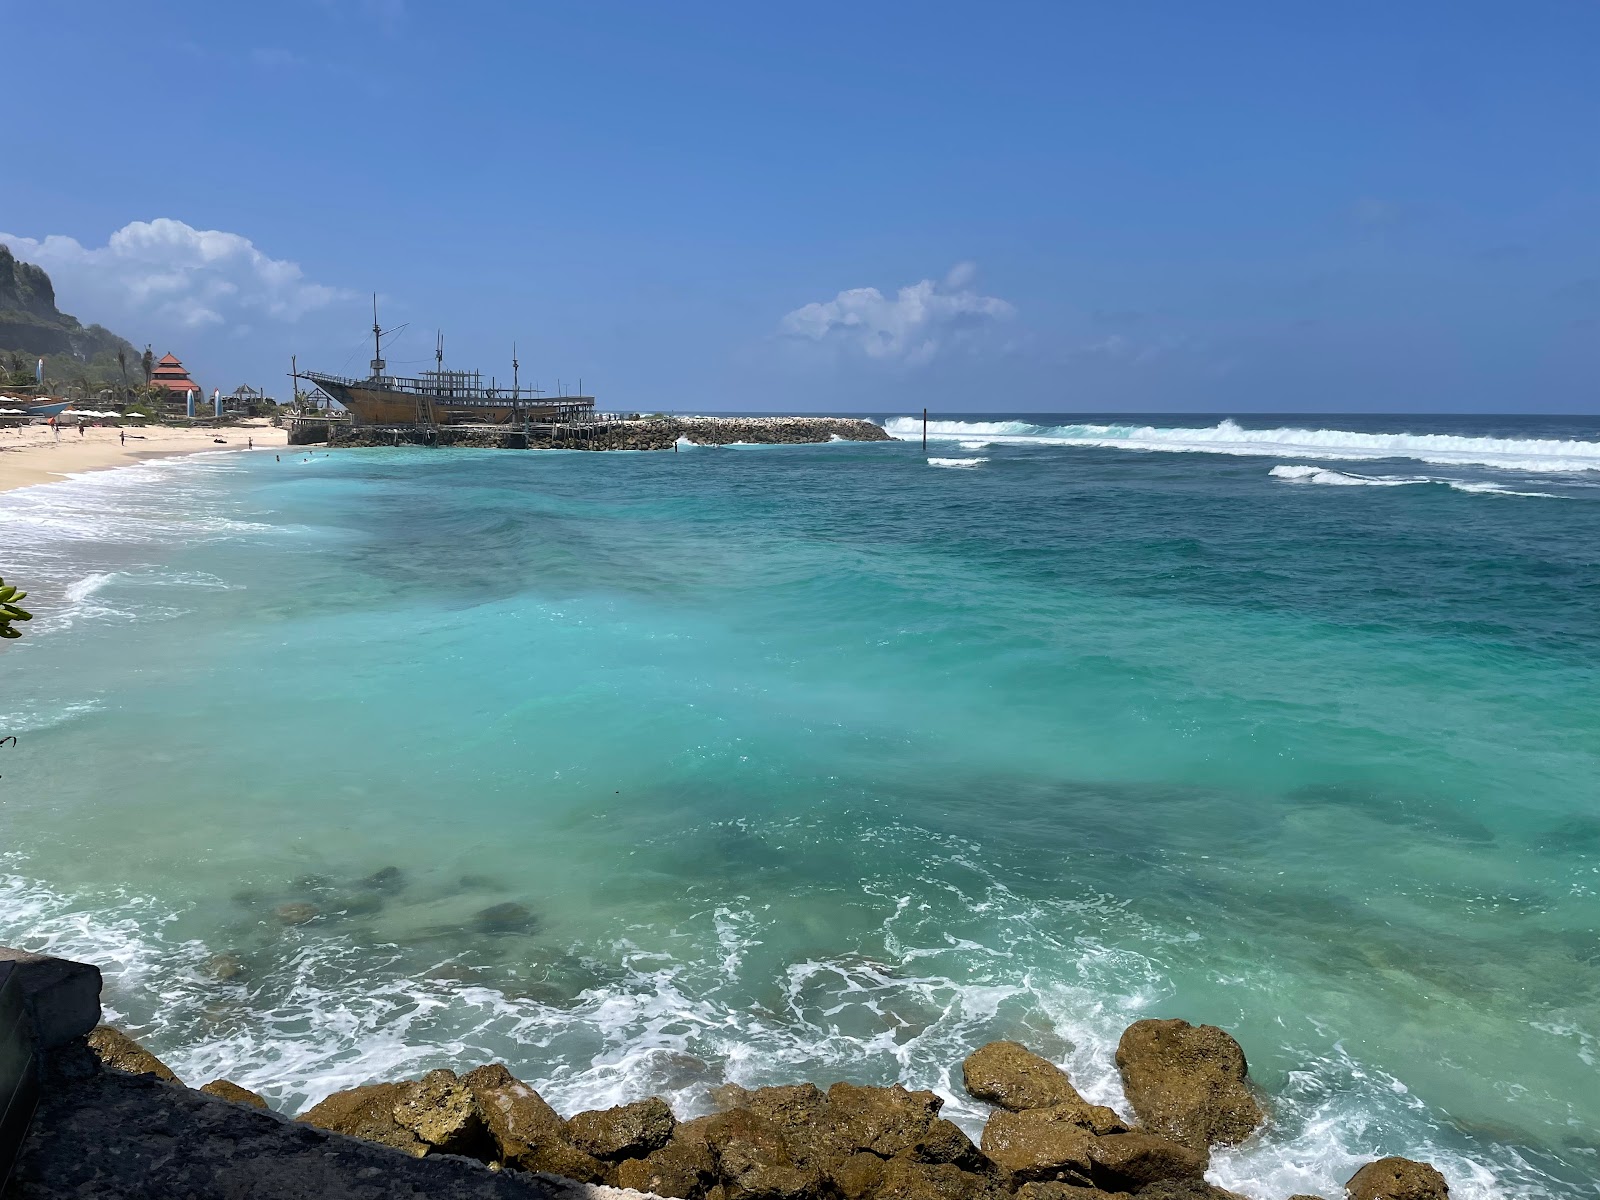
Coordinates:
[32,454]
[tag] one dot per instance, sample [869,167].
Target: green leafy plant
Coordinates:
[9,611]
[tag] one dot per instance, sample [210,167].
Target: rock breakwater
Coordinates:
[1187,1087]
[659,433]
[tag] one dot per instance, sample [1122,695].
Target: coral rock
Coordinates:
[1011,1076]
[1126,1161]
[907,1180]
[227,1090]
[117,1050]
[1187,1082]
[881,1121]
[1397,1179]
[441,1110]
[627,1131]
[1037,1144]
[366,1112]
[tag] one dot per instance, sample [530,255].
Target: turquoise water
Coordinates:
[836,761]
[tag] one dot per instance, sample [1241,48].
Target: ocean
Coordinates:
[771,764]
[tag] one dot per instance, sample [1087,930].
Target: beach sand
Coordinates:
[32,455]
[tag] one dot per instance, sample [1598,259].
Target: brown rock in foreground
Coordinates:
[116,1049]
[367,1113]
[627,1131]
[1038,1145]
[1009,1075]
[441,1110]
[228,1090]
[525,1130]
[1187,1082]
[1126,1162]
[1397,1179]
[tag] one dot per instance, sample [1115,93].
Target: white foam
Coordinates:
[957,462]
[1326,476]
[88,586]
[1228,437]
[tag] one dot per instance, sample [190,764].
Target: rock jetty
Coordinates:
[652,433]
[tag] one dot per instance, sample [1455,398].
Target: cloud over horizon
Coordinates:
[911,328]
[168,273]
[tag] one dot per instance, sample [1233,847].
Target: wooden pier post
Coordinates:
[924,431]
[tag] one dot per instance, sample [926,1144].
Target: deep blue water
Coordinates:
[835,761]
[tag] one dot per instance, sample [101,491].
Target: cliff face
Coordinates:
[31,325]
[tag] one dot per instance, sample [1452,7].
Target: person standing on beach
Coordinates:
[55,429]
[122,436]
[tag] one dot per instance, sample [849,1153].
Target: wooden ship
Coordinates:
[441,397]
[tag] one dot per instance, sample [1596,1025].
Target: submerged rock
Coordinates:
[1187,1082]
[225,968]
[1397,1179]
[117,1050]
[227,1090]
[296,913]
[366,1112]
[627,1131]
[509,917]
[1009,1075]
[385,879]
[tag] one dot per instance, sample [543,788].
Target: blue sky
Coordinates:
[1246,207]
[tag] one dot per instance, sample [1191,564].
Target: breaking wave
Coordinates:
[957,462]
[1331,478]
[1228,437]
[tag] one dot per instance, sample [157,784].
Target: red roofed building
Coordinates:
[174,376]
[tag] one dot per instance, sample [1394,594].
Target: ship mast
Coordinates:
[377,341]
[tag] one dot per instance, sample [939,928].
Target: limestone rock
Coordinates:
[116,1049]
[1037,1144]
[904,1179]
[684,1168]
[1187,1082]
[627,1131]
[1061,1191]
[225,968]
[1397,1179]
[515,1115]
[442,1111]
[753,1159]
[1009,1075]
[881,1121]
[368,1113]
[1128,1161]
[944,1142]
[228,1090]
[857,1177]
[1191,1189]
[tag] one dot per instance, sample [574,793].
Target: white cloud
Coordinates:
[167,273]
[911,328]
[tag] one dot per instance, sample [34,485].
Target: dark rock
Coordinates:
[684,1168]
[904,1179]
[1187,1082]
[1061,1191]
[366,1113]
[526,1131]
[225,968]
[1038,1144]
[857,1177]
[62,997]
[296,913]
[227,1090]
[881,1121]
[1124,1162]
[1305,1196]
[799,1112]
[117,1050]
[385,879]
[441,1110]
[1194,1189]
[627,1131]
[753,1159]
[944,1142]
[1397,1179]
[509,917]
[1011,1076]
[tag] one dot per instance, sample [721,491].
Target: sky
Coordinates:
[850,207]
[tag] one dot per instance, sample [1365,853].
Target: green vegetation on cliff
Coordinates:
[75,355]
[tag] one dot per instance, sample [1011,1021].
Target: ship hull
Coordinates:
[373,404]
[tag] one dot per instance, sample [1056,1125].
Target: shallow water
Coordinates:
[818,762]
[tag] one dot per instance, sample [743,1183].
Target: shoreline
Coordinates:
[31,455]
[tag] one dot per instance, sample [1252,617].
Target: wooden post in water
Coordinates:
[924,431]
